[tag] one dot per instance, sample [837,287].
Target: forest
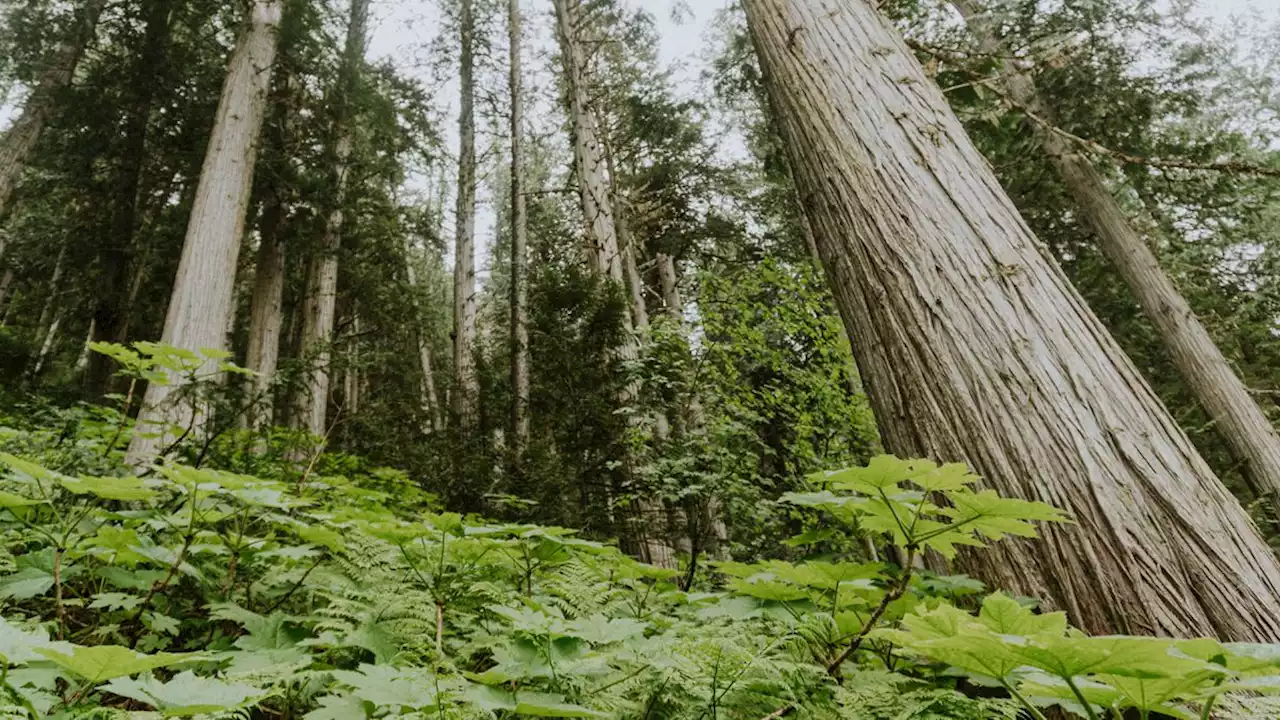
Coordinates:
[467,359]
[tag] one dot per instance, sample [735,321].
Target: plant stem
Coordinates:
[1031,709]
[440,628]
[1207,711]
[57,593]
[124,416]
[896,592]
[1088,708]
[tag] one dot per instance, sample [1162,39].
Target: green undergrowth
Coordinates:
[186,591]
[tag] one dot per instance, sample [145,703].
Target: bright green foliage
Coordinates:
[199,592]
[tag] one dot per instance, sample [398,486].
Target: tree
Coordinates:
[466,387]
[116,254]
[519,246]
[20,140]
[320,306]
[1240,422]
[975,347]
[602,247]
[201,301]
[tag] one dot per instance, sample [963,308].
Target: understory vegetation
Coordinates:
[327,588]
[639,359]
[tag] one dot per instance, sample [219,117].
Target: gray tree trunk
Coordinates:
[320,308]
[602,248]
[205,281]
[430,399]
[519,247]
[21,139]
[1239,421]
[266,306]
[466,388]
[975,347]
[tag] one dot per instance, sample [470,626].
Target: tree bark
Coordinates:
[602,248]
[116,254]
[975,347]
[205,281]
[21,139]
[466,389]
[320,308]
[519,247]
[266,307]
[1237,418]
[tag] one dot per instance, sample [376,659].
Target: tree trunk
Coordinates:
[46,348]
[21,139]
[266,307]
[519,248]
[1237,418]
[205,282]
[320,307]
[430,399]
[116,254]
[55,289]
[601,239]
[466,388]
[975,347]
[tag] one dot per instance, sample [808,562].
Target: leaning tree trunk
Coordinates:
[20,141]
[116,254]
[320,308]
[203,288]
[975,347]
[601,237]
[1236,416]
[519,248]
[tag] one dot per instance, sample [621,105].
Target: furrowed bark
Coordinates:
[975,347]
[202,292]
[1241,424]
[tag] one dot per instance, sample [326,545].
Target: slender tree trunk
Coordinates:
[46,348]
[55,289]
[82,360]
[465,383]
[320,309]
[601,240]
[351,374]
[975,347]
[519,248]
[6,281]
[117,252]
[21,139]
[205,283]
[430,399]
[266,307]
[1239,421]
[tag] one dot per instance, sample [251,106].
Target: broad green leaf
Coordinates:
[186,694]
[108,488]
[10,501]
[602,630]
[104,662]
[338,707]
[19,646]
[1004,616]
[386,686]
[25,584]
[1076,655]
[551,705]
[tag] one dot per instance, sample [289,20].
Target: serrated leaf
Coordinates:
[186,694]
[551,705]
[25,584]
[108,488]
[338,707]
[104,662]
[19,646]
[1004,616]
